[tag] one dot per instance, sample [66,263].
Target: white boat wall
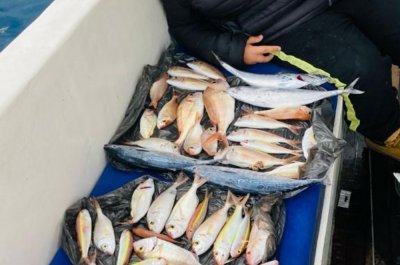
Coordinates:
[65,83]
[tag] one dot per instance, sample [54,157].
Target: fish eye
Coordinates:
[195,242]
[216,253]
[172,226]
[152,223]
[238,251]
[140,249]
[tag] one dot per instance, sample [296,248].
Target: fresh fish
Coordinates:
[248,134]
[308,141]
[206,69]
[210,147]
[167,114]
[144,233]
[283,97]
[269,148]
[192,143]
[83,228]
[156,248]
[288,171]
[244,180]
[221,111]
[104,237]
[161,207]
[155,144]
[198,216]
[278,81]
[224,241]
[302,113]
[247,158]
[262,240]
[183,210]
[241,238]
[262,122]
[190,110]
[154,159]
[179,71]
[151,261]
[187,83]
[148,123]
[141,200]
[125,247]
[157,90]
[208,231]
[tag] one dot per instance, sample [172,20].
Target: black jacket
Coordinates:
[223,26]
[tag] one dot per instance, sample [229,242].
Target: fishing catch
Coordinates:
[301,113]
[262,122]
[157,90]
[155,144]
[249,134]
[206,69]
[148,123]
[104,237]
[198,216]
[125,247]
[179,71]
[167,114]
[83,227]
[141,200]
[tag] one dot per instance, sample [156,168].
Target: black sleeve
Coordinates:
[197,35]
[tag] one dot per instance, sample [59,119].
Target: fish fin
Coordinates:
[291,159]
[244,200]
[294,143]
[211,138]
[199,181]
[230,199]
[257,166]
[397,176]
[233,199]
[247,111]
[295,129]
[350,88]
[95,203]
[182,178]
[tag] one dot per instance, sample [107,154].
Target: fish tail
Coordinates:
[180,141]
[350,88]
[213,137]
[199,181]
[244,200]
[153,104]
[294,143]
[290,159]
[233,199]
[94,201]
[229,199]
[182,178]
[295,129]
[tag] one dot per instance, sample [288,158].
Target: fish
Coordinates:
[224,241]
[153,247]
[210,147]
[167,114]
[206,69]
[157,90]
[249,134]
[283,97]
[221,110]
[183,210]
[302,113]
[287,171]
[262,240]
[190,84]
[261,122]
[144,233]
[272,262]
[308,141]
[103,235]
[125,247]
[83,227]
[205,235]
[179,71]
[190,110]
[278,81]
[244,157]
[155,144]
[151,261]
[161,207]
[241,238]
[148,123]
[243,180]
[192,143]
[141,200]
[198,216]
[269,148]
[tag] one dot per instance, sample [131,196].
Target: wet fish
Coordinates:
[83,228]
[283,97]
[208,231]
[192,143]
[287,171]
[269,148]
[167,114]
[161,207]
[286,80]
[179,71]
[302,113]
[151,261]
[144,233]
[155,144]
[248,134]
[241,238]
[225,239]
[125,247]
[308,141]
[156,248]
[103,235]
[261,122]
[221,111]
[148,123]
[198,217]
[247,158]
[190,110]
[187,83]
[157,90]
[206,69]
[183,210]
[141,199]
[250,181]
[210,147]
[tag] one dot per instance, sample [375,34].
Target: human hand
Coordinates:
[258,54]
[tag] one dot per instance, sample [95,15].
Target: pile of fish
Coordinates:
[222,227]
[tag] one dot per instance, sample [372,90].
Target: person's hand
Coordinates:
[258,54]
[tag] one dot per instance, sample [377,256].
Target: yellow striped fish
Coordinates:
[83,228]
[242,236]
[125,247]
[198,216]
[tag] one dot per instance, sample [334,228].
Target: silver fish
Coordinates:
[157,90]
[249,134]
[206,69]
[262,122]
[103,235]
[148,123]
[141,200]
[179,71]
[191,84]
[156,144]
[284,97]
